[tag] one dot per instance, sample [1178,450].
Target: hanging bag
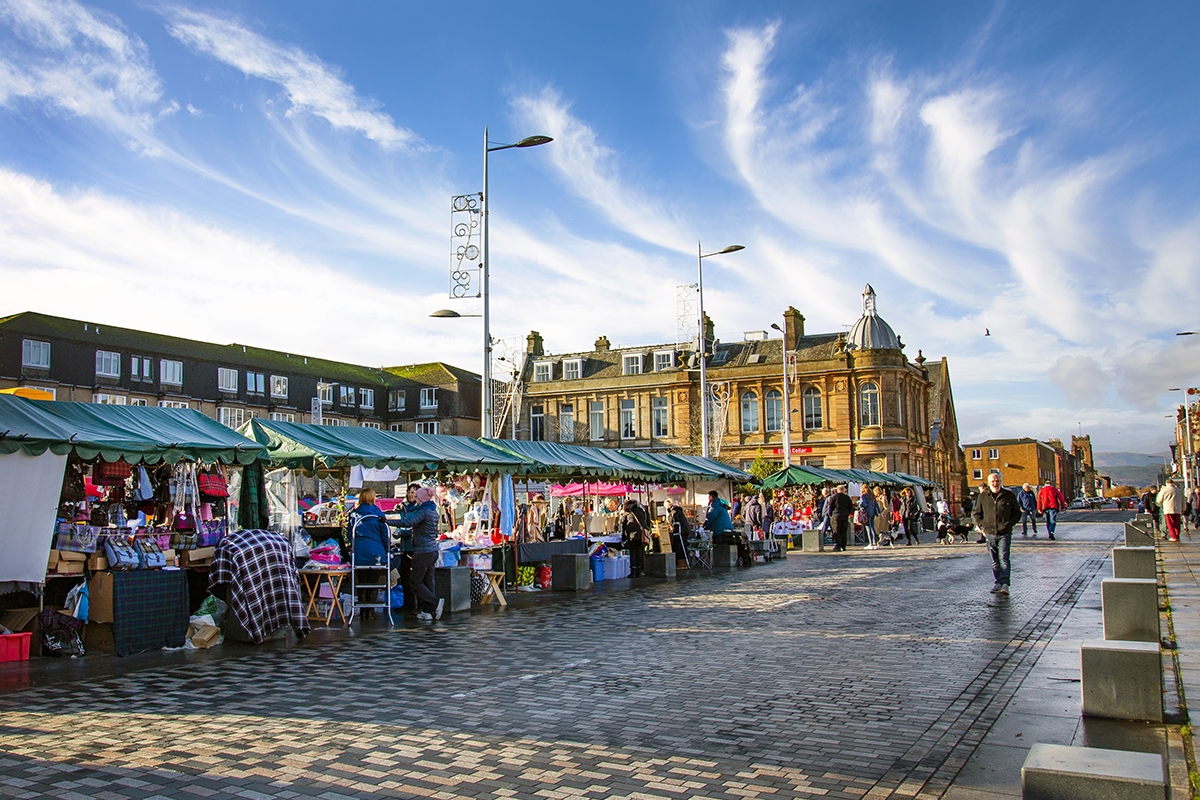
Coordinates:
[212,484]
[150,555]
[120,553]
[110,473]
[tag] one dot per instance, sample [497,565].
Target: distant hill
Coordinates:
[1128,459]
[1133,476]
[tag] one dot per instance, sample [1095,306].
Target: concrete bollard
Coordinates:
[1134,562]
[660,565]
[724,556]
[570,572]
[1121,680]
[453,584]
[1130,609]
[812,541]
[1058,772]
[784,543]
[1136,536]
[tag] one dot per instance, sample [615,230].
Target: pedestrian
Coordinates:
[982,538]
[996,512]
[1050,501]
[635,537]
[680,529]
[1027,499]
[424,523]
[1150,505]
[910,514]
[1171,503]
[868,509]
[840,508]
[755,514]
[883,519]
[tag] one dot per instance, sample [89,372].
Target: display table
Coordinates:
[310,580]
[148,609]
[544,551]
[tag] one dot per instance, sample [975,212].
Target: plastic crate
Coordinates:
[14,646]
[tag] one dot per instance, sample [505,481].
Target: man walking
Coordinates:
[840,508]
[1027,499]
[1169,501]
[996,512]
[1050,501]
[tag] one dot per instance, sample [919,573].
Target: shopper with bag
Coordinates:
[424,523]
[635,537]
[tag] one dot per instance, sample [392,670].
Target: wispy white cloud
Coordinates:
[593,172]
[82,62]
[311,85]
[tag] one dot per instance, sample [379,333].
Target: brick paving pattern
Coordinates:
[867,675]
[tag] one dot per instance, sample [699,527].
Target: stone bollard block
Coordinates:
[453,584]
[1134,562]
[1121,680]
[783,547]
[570,572]
[1136,536]
[1130,609]
[1058,772]
[660,565]
[812,541]
[724,556]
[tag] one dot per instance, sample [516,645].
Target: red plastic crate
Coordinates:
[14,646]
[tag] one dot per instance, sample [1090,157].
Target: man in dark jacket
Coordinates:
[995,514]
[840,508]
[1027,501]
[755,514]
[681,530]
[424,523]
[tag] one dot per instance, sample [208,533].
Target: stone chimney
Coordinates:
[534,345]
[602,344]
[793,327]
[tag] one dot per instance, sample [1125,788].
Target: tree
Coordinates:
[1123,491]
[760,467]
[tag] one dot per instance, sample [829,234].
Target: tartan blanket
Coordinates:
[264,589]
[150,610]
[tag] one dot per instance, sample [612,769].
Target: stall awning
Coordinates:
[311,447]
[913,479]
[566,461]
[793,476]
[464,454]
[671,463]
[138,434]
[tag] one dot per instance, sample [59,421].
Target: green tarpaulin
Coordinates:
[311,447]
[464,454]
[671,463]
[138,434]
[793,476]
[568,461]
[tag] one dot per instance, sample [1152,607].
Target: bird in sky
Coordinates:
[987,332]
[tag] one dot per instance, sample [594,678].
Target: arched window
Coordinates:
[774,410]
[868,404]
[812,408]
[749,413]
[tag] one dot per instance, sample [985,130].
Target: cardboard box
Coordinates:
[169,555]
[70,555]
[70,567]
[97,562]
[206,636]
[100,597]
[98,636]
[52,562]
[20,620]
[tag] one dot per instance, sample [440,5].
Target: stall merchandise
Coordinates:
[256,573]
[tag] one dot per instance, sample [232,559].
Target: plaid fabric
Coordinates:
[264,589]
[211,484]
[150,610]
[105,473]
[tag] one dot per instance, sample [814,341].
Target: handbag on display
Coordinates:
[120,553]
[73,489]
[212,483]
[143,490]
[110,473]
[184,521]
[185,540]
[150,555]
[76,537]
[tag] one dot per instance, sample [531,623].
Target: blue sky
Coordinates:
[280,174]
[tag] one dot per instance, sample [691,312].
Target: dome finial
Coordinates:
[869,300]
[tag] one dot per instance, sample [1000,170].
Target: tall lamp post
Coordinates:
[703,341]
[787,406]
[486,415]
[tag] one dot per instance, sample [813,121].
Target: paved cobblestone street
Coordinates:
[871,674]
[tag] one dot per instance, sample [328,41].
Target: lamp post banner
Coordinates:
[466,219]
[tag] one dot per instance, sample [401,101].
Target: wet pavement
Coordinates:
[866,674]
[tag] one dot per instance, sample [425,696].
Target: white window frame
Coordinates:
[537,423]
[976,454]
[170,372]
[325,393]
[868,404]
[629,426]
[993,453]
[138,401]
[572,365]
[108,364]
[596,424]
[994,471]
[814,409]
[431,427]
[629,359]
[105,399]
[749,416]
[366,398]
[227,379]
[174,404]
[282,416]
[566,422]
[372,425]
[35,354]
[233,416]
[661,356]
[976,474]
[279,386]
[396,426]
[660,411]
[543,371]
[429,397]
[256,383]
[397,400]
[333,422]
[774,398]
[347,396]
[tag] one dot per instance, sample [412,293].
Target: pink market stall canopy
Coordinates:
[590,489]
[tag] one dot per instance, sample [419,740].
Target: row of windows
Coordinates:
[977,474]
[660,420]
[572,368]
[108,365]
[993,453]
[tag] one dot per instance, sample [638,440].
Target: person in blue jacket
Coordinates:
[717,518]
[424,523]
[370,542]
[1027,501]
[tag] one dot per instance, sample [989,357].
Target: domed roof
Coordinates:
[871,332]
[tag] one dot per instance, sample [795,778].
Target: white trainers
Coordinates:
[996,589]
[1003,589]
[425,616]
[437,614]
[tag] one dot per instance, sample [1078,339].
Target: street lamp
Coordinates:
[485,422]
[787,406]
[700,256]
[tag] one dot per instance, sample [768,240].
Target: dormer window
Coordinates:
[543,371]
[663,359]
[632,365]
[572,369]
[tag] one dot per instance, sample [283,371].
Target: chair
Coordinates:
[700,549]
[384,597]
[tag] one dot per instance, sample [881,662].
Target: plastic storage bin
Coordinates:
[14,646]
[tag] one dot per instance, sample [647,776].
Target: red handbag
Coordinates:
[212,484]
[115,473]
[184,521]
